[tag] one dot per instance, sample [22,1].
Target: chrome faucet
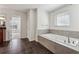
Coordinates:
[68,39]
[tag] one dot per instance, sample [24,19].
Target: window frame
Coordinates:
[65,13]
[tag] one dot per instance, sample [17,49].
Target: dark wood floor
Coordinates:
[23,46]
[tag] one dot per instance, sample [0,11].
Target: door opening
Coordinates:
[15,27]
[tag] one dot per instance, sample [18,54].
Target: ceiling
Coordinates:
[25,7]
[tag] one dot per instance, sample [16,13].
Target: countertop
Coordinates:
[2,27]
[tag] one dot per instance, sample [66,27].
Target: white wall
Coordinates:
[31,24]
[74,18]
[36,20]
[42,22]
[8,13]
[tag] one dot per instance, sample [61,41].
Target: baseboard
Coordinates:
[24,38]
[11,39]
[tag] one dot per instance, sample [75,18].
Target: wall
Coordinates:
[42,22]
[32,24]
[8,13]
[74,18]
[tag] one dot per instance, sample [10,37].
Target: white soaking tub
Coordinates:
[62,40]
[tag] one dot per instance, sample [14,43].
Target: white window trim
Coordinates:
[55,17]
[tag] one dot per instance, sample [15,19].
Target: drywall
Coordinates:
[42,22]
[31,24]
[37,19]
[8,13]
[74,18]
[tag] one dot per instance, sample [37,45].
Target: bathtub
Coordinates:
[55,38]
[62,40]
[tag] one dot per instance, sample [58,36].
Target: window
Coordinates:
[63,19]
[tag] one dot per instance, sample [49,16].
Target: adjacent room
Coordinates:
[39,28]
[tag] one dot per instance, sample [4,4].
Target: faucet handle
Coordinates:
[77,44]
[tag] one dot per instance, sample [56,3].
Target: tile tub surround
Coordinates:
[73,34]
[43,31]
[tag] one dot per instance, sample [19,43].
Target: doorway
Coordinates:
[15,27]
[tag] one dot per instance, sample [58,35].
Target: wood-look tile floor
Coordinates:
[23,46]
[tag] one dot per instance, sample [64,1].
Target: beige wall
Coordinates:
[8,13]
[74,18]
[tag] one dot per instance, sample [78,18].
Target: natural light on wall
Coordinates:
[63,19]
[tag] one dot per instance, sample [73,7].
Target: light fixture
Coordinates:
[2,18]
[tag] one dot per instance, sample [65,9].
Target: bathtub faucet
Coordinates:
[68,39]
